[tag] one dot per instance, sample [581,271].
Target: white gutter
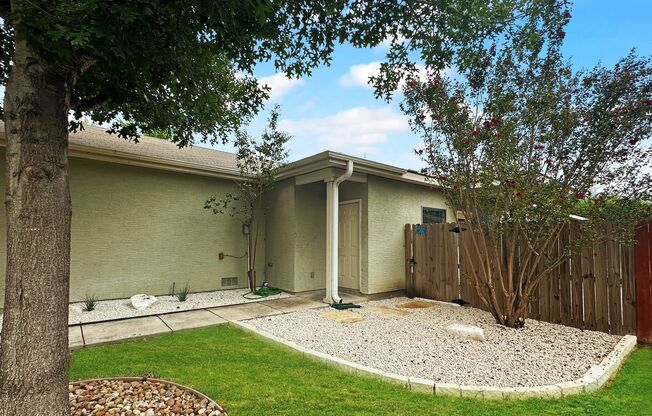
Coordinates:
[335,201]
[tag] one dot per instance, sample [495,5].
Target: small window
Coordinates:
[433,215]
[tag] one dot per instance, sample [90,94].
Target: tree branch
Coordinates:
[5,8]
[89,104]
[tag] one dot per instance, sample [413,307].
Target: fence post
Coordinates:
[643,260]
[409,260]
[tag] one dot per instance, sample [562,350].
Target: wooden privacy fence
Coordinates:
[643,256]
[595,289]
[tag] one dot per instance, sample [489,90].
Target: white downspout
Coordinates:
[335,208]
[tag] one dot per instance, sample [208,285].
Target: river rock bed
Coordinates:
[137,398]
[416,344]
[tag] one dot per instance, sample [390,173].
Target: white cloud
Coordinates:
[357,130]
[387,42]
[280,85]
[306,106]
[358,75]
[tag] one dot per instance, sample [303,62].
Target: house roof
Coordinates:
[95,143]
[338,161]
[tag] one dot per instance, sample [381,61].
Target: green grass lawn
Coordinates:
[251,376]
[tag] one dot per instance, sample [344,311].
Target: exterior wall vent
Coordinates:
[229,281]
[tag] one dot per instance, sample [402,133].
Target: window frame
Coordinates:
[439,210]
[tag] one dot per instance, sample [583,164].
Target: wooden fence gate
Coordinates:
[595,289]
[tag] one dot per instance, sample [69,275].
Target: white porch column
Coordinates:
[332,234]
[329,237]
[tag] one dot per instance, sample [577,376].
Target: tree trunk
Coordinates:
[250,260]
[34,348]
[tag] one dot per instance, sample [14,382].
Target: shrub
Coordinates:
[182,293]
[89,302]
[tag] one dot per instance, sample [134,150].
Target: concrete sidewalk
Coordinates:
[123,329]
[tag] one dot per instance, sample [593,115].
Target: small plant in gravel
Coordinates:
[182,293]
[90,301]
[259,160]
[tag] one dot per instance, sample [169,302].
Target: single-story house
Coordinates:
[139,223]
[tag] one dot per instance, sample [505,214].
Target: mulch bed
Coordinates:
[138,397]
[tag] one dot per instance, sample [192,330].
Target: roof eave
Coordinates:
[130,159]
[328,159]
[124,158]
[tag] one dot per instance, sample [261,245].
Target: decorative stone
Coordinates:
[447,389]
[143,397]
[387,311]
[466,331]
[416,304]
[142,301]
[343,317]
[472,391]
[422,385]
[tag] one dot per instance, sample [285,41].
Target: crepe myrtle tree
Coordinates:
[183,67]
[519,143]
[259,162]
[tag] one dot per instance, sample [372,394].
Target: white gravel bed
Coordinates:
[121,308]
[417,345]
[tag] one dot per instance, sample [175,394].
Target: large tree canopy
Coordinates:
[185,66]
[172,64]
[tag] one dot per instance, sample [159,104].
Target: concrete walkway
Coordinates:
[123,329]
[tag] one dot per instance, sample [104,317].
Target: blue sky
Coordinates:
[334,109]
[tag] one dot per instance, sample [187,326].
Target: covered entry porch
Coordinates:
[343,229]
[355,248]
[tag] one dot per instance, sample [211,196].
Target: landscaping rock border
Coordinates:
[596,377]
[216,408]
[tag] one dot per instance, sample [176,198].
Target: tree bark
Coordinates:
[34,347]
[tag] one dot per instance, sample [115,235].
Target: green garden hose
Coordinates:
[267,291]
[345,306]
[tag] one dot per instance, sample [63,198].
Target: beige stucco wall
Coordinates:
[392,204]
[280,233]
[138,230]
[296,232]
[310,243]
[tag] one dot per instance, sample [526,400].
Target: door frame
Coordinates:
[359,202]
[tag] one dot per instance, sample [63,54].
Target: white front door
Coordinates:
[349,245]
